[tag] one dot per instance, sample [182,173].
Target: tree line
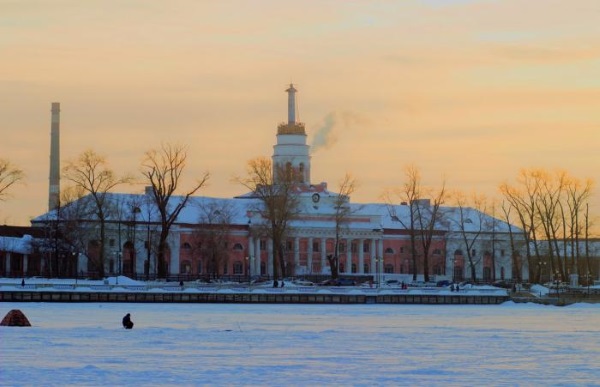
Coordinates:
[549,211]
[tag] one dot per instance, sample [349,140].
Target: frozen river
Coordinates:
[301,345]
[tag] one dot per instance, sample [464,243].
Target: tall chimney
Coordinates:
[54,192]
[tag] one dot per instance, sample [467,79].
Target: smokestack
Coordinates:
[54,192]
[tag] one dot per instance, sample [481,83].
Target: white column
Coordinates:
[309,255]
[348,256]
[374,268]
[250,261]
[257,256]
[7,261]
[361,256]
[296,254]
[380,255]
[323,255]
[270,256]
[25,263]
[175,247]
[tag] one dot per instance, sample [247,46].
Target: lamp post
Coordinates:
[541,265]
[588,279]
[557,282]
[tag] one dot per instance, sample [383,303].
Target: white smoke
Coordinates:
[327,134]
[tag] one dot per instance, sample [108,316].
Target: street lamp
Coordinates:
[541,265]
[557,282]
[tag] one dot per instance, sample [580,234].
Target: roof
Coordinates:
[139,207]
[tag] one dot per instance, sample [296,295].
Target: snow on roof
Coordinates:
[140,207]
[20,245]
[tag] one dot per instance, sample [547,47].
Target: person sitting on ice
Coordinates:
[127,323]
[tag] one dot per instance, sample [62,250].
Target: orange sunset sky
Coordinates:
[468,91]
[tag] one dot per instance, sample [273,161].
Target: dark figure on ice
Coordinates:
[23,283]
[282,283]
[127,323]
[275,284]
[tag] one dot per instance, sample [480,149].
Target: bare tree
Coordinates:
[163,169]
[276,187]
[9,175]
[424,215]
[342,212]
[522,198]
[472,222]
[551,205]
[90,174]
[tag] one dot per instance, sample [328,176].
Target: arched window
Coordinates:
[389,250]
[238,247]
[288,170]
[458,252]
[186,246]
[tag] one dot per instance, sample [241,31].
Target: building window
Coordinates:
[238,268]
[354,267]
[186,246]
[473,253]
[437,270]
[199,267]
[389,250]
[366,268]
[225,268]
[263,245]
[289,245]
[502,252]
[401,250]
[365,248]
[354,247]
[389,268]
[342,248]
[238,247]
[316,247]
[111,242]
[437,251]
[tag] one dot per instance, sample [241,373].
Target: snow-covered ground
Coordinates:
[122,283]
[301,345]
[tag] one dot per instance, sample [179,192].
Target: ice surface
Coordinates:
[301,345]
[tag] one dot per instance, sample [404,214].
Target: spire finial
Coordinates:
[291,104]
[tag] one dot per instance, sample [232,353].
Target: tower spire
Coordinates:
[291,104]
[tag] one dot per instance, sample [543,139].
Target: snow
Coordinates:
[298,345]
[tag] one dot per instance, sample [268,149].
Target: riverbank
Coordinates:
[122,289]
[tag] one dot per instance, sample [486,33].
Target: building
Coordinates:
[222,237]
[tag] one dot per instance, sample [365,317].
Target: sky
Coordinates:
[469,91]
[300,345]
